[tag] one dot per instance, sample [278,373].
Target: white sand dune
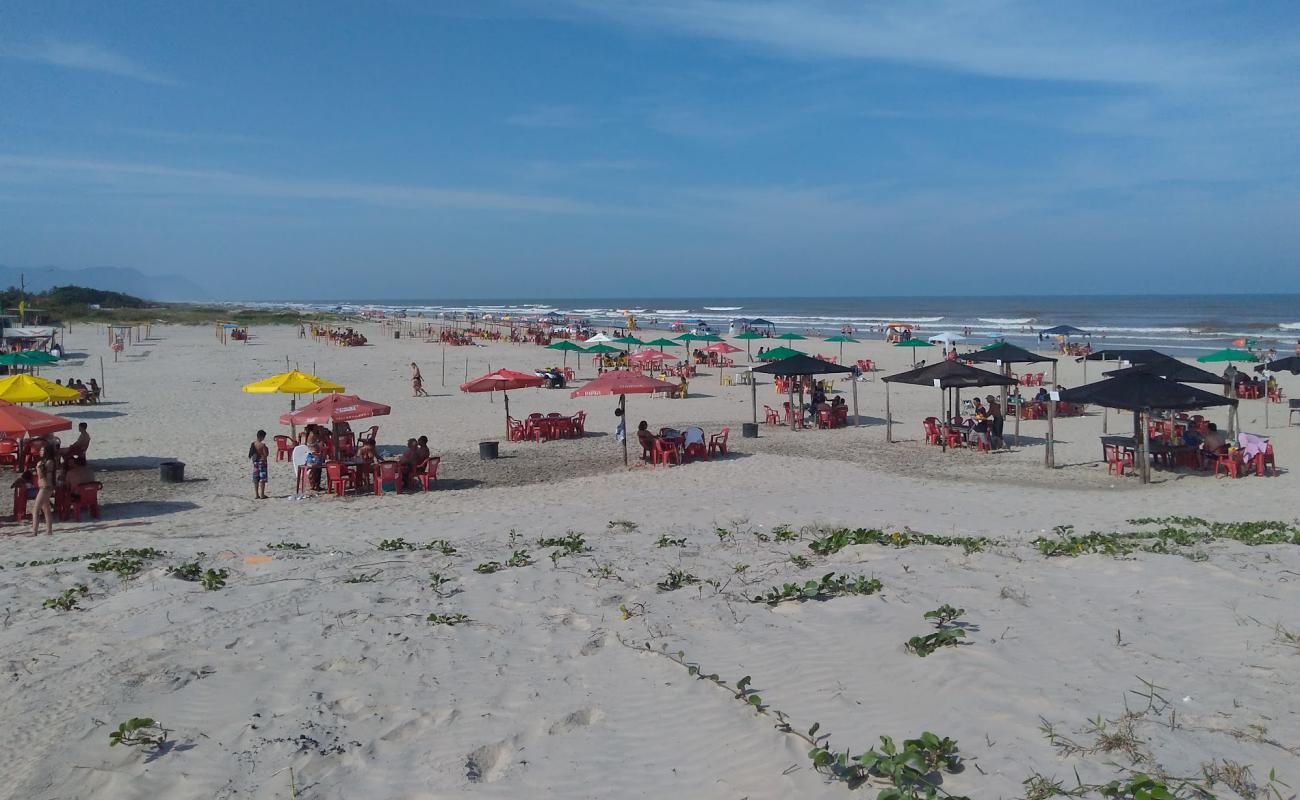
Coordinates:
[322,660]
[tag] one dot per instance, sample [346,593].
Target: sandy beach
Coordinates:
[322,659]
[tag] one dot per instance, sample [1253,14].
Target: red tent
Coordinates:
[623,382]
[502,380]
[17,421]
[334,408]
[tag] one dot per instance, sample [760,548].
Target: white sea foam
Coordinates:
[1289,326]
[723,308]
[672,311]
[1002,321]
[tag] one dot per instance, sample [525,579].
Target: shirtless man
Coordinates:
[258,453]
[417,382]
[82,444]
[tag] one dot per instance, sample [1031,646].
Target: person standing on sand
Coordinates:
[46,475]
[417,382]
[259,455]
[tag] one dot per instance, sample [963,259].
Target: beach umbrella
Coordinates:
[629,341]
[780,353]
[601,348]
[623,383]
[790,336]
[913,343]
[31,389]
[295,383]
[750,336]
[685,341]
[333,409]
[18,421]
[841,339]
[599,338]
[503,380]
[721,347]
[661,343]
[648,356]
[1228,354]
[565,345]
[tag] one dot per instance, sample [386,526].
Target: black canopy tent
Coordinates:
[758,322]
[1171,370]
[1290,364]
[942,375]
[1141,392]
[1004,354]
[797,367]
[1064,330]
[1138,356]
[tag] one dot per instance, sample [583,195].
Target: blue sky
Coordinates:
[689,147]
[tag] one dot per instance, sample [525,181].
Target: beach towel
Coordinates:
[1251,445]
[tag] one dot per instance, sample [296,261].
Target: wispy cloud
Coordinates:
[84,56]
[154,179]
[1000,38]
[552,116]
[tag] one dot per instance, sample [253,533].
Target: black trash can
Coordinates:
[487,450]
[172,471]
[749,430]
[397,334]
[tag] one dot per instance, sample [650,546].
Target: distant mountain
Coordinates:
[115,279]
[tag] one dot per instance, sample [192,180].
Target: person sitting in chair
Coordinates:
[646,438]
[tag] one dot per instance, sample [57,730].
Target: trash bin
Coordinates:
[172,471]
[397,334]
[749,430]
[487,450]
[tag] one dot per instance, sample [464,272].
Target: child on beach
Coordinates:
[259,454]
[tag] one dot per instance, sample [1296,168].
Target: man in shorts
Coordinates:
[259,454]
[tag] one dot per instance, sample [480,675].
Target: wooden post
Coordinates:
[855,400]
[943,429]
[889,419]
[622,404]
[753,396]
[1145,455]
[444,359]
[103,391]
[1050,454]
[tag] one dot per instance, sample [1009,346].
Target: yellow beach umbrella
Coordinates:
[31,389]
[293,382]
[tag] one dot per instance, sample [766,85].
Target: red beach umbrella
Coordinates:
[721,347]
[16,420]
[623,383]
[334,408]
[503,380]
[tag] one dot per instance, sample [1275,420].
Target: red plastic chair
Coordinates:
[1117,459]
[20,503]
[347,444]
[87,500]
[1264,461]
[388,472]
[427,472]
[664,452]
[718,442]
[8,453]
[339,479]
[697,450]
[370,433]
[824,419]
[283,448]
[580,424]
[955,437]
[771,418]
[931,425]
[1229,462]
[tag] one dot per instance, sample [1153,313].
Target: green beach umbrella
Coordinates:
[601,348]
[780,353]
[628,340]
[661,343]
[685,341]
[566,345]
[842,339]
[791,336]
[750,336]
[1228,354]
[913,343]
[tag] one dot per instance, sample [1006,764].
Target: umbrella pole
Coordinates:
[943,440]
[889,419]
[855,402]
[622,404]
[1146,446]
[1006,372]
[293,429]
[1020,409]
[1050,454]
[790,388]
[753,395]
[506,397]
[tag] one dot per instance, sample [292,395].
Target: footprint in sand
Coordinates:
[578,719]
[489,763]
[594,644]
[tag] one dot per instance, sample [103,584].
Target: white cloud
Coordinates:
[85,56]
[155,179]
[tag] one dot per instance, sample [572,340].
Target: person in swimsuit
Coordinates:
[46,474]
[417,382]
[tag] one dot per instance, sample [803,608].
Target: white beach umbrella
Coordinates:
[599,339]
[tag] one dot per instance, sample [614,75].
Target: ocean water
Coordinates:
[1173,322]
